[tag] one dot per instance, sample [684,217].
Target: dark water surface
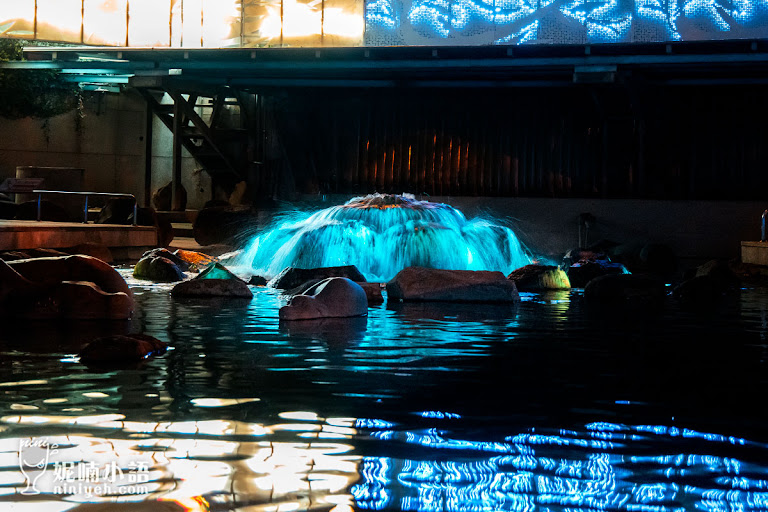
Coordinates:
[549,405]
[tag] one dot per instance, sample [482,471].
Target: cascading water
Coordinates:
[383,234]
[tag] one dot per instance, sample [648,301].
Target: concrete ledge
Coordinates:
[755,253]
[27,234]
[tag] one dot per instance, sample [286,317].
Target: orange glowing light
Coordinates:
[195,258]
[188,23]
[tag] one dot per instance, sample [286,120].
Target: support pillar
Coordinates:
[149,118]
[178,115]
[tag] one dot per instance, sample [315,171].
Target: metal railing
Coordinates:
[86,195]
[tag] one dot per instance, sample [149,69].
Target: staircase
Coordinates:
[208,143]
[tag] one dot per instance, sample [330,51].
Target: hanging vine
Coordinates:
[33,93]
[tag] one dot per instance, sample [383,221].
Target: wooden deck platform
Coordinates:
[29,234]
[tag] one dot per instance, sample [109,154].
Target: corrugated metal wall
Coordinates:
[673,143]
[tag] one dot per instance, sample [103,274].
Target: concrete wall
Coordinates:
[109,145]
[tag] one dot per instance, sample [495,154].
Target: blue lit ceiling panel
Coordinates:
[474,22]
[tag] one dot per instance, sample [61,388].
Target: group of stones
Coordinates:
[340,291]
[79,283]
[49,284]
[212,279]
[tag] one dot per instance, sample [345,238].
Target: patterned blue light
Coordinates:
[477,22]
[562,470]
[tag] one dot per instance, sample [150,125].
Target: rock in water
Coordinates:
[50,271]
[83,300]
[373,292]
[214,281]
[158,269]
[193,258]
[583,272]
[429,284]
[77,287]
[165,253]
[335,297]
[625,289]
[160,265]
[118,349]
[257,281]
[539,277]
[292,277]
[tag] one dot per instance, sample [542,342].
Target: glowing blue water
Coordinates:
[383,234]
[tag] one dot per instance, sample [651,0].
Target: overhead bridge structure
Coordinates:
[194,91]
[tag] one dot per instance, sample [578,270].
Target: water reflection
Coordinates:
[305,464]
[588,469]
[417,407]
[338,331]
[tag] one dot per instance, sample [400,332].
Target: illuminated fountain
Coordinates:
[381,235]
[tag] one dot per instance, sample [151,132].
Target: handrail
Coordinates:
[87,195]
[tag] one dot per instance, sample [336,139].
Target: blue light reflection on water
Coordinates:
[565,470]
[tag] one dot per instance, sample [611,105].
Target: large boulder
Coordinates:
[122,348]
[74,287]
[335,297]
[617,289]
[533,278]
[14,255]
[292,277]
[582,272]
[28,254]
[223,224]
[214,281]
[429,284]
[84,300]
[372,290]
[50,271]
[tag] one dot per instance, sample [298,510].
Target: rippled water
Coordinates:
[549,405]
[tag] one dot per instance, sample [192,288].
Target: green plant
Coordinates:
[33,93]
